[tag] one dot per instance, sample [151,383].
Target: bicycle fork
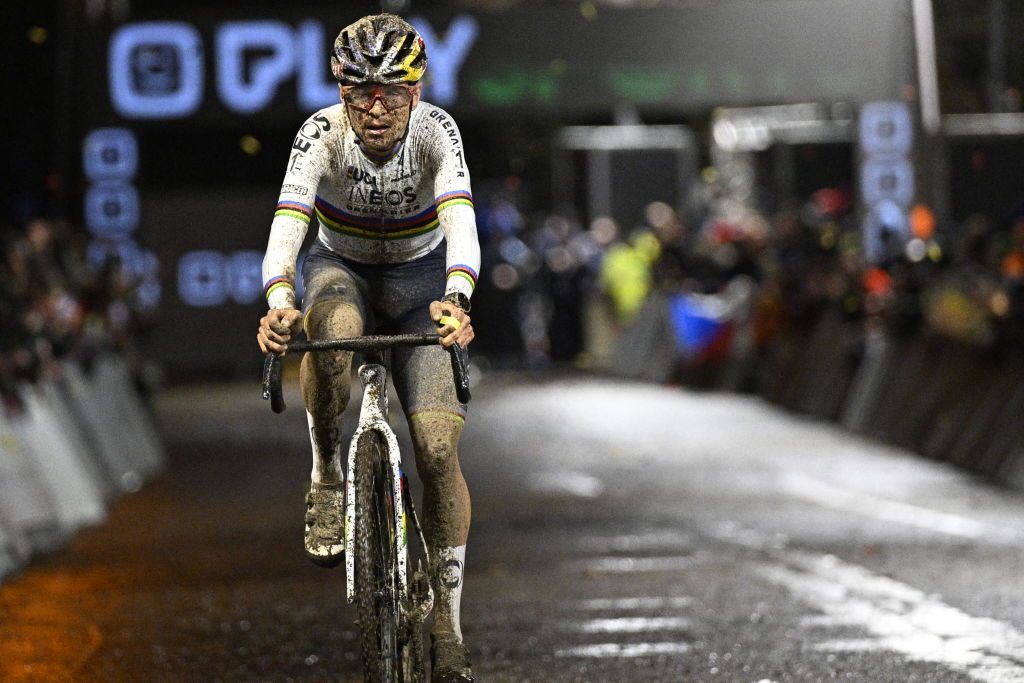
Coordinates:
[414,601]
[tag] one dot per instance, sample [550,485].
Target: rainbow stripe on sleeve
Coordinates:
[296,210]
[277,282]
[457,198]
[465,272]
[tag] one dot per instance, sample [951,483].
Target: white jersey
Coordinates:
[389,210]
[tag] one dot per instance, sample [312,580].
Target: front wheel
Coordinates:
[385,648]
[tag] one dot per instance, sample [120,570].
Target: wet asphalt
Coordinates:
[621,532]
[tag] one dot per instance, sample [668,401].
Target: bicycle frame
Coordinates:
[415,601]
[373,416]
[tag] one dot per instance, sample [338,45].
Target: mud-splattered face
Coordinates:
[379,114]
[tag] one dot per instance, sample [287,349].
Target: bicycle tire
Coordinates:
[376,601]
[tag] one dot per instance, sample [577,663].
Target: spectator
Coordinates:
[53,306]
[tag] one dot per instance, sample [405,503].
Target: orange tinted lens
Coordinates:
[360,96]
[392,96]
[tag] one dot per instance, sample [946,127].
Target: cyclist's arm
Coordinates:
[455,207]
[307,162]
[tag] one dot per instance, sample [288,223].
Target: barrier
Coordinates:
[11,558]
[71,487]
[99,413]
[66,451]
[646,349]
[14,546]
[25,505]
[1002,454]
[866,382]
[113,382]
[925,393]
[917,390]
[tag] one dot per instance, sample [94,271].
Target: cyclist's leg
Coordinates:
[325,378]
[446,509]
[423,381]
[332,307]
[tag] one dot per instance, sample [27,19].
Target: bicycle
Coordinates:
[392,602]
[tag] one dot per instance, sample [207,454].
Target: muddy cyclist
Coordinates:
[385,176]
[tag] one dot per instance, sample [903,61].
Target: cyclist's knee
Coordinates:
[332,318]
[435,438]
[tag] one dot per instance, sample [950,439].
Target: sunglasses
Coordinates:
[363,97]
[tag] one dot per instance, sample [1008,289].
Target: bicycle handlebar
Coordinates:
[272,364]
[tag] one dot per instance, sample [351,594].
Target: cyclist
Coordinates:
[385,175]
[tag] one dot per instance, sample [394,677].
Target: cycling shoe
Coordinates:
[449,660]
[325,524]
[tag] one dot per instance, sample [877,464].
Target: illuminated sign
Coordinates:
[245,276]
[209,278]
[315,92]
[886,128]
[887,179]
[273,42]
[446,56]
[157,69]
[136,263]
[110,158]
[110,153]
[886,140]
[886,230]
[202,278]
[112,209]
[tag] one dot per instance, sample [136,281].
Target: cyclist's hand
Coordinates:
[460,331]
[277,328]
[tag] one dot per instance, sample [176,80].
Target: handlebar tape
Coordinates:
[272,382]
[459,372]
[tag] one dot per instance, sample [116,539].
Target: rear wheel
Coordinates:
[375,563]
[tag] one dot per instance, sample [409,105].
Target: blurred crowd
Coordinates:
[55,305]
[720,284]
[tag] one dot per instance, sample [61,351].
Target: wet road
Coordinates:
[621,532]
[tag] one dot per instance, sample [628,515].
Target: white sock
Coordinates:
[318,463]
[451,563]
